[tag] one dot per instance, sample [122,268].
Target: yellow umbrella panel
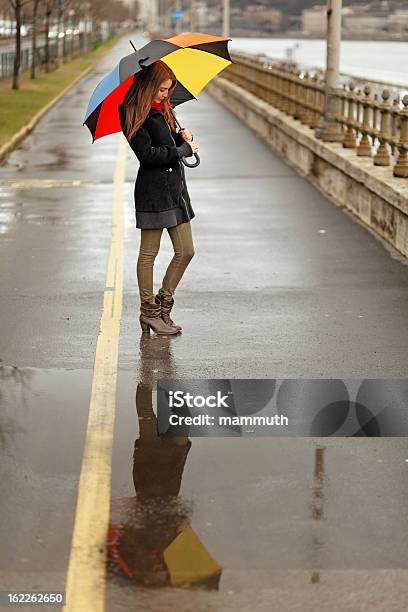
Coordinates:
[195,68]
[189,562]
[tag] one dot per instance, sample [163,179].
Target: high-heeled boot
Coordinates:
[166,306]
[150,318]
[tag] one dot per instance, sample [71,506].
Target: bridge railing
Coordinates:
[71,47]
[371,124]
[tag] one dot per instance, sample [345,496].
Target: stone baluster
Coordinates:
[279,90]
[320,97]
[239,74]
[310,101]
[256,82]
[291,92]
[298,111]
[313,101]
[349,141]
[376,112]
[359,108]
[251,79]
[305,90]
[382,157]
[401,167]
[265,80]
[248,78]
[302,98]
[285,96]
[261,79]
[273,85]
[395,116]
[294,106]
[343,107]
[275,82]
[284,99]
[270,85]
[364,148]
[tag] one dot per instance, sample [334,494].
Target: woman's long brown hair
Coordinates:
[141,94]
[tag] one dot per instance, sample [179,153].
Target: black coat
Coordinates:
[160,180]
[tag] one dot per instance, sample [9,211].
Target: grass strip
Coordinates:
[18,107]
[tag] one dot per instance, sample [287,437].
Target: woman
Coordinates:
[161,197]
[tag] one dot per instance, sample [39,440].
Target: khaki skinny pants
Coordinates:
[182,241]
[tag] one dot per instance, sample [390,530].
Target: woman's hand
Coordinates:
[186,134]
[193,145]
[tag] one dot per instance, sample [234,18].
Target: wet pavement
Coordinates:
[283,284]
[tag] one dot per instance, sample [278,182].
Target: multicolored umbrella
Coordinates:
[152,545]
[194,58]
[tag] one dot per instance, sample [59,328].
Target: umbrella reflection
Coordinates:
[150,539]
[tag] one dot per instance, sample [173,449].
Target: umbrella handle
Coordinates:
[183,159]
[197,162]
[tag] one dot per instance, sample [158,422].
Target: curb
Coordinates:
[12,144]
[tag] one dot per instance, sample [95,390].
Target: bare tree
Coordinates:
[48,9]
[17,6]
[41,11]
[4,9]
[34,39]
[62,6]
[109,11]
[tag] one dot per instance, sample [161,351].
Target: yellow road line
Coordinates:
[39,183]
[85,587]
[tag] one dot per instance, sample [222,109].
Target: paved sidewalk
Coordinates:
[282,285]
[267,293]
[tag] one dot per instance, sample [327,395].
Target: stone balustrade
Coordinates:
[373,125]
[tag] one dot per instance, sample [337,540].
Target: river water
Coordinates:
[374,60]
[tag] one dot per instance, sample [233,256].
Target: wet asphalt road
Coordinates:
[289,524]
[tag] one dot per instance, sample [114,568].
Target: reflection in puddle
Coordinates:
[150,538]
[318,484]
[318,497]
[12,380]
[36,219]
[6,217]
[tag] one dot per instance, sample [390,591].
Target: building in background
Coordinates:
[257,17]
[363,25]
[133,8]
[201,15]
[143,10]
[314,20]
[362,20]
[398,22]
[382,19]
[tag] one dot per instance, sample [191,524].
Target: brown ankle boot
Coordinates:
[166,306]
[150,318]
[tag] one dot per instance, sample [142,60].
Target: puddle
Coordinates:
[47,220]
[43,416]
[198,512]
[190,513]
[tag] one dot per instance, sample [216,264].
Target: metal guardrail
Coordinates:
[371,125]
[69,46]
